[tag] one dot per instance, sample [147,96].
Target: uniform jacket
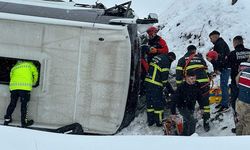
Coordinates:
[158,70]
[244,86]
[23,76]
[240,54]
[221,47]
[196,64]
[186,96]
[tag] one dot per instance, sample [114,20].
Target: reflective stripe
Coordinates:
[203,80]
[165,81]
[206,108]
[194,66]
[150,110]
[159,68]
[179,68]
[159,112]
[179,81]
[20,66]
[154,73]
[20,84]
[156,67]
[153,82]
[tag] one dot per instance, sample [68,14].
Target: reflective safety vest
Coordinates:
[23,76]
[196,64]
[158,70]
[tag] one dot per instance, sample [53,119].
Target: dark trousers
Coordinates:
[155,105]
[189,121]
[205,100]
[234,94]
[24,98]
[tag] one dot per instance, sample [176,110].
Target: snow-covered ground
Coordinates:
[190,22]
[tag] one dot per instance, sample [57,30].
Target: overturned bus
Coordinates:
[87,57]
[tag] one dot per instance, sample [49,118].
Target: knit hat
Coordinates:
[213,55]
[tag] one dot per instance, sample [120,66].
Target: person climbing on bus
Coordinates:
[23,76]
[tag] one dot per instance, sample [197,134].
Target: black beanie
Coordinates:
[191,48]
[214,33]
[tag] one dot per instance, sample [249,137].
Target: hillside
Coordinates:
[190,22]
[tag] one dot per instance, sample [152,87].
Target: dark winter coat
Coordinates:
[197,64]
[240,54]
[215,64]
[158,70]
[221,47]
[186,97]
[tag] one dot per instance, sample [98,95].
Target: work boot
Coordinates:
[7,120]
[27,123]
[206,126]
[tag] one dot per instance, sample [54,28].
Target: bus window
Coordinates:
[6,63]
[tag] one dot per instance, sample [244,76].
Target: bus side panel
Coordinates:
[104,79]
[84,73]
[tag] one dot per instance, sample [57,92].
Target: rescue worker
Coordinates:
[23,76]
[240,54]
[154,46]
[221,47]
[195,62]
[157,45]
[185,97]
[243,102]
[155,81]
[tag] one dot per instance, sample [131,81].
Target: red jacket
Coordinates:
[158,43]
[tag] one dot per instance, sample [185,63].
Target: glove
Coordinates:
[153,50]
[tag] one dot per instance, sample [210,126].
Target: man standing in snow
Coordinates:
[195,62]
[221,47]
[188,92]
[155,81]
[243,102]
[240,54]
[23,76]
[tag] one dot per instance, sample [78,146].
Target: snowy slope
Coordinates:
[196,17]
[190,22]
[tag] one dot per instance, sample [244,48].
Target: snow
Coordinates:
[19,138]
[199,18]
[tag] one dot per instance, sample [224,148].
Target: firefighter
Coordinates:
[157,45]
[155,81]
[195,62]
[185,97]
[23,76]
[153,46]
